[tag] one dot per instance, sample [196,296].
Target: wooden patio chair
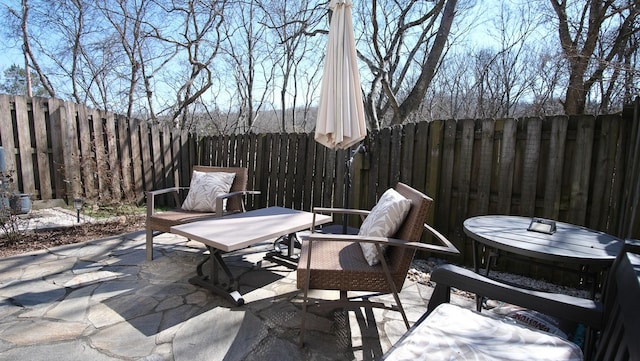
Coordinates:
[337,262]
[449,332]
[161,222]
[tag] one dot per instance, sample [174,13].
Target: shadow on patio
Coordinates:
[101,300]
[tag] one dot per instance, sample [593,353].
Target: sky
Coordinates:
[12,54]
[10,57]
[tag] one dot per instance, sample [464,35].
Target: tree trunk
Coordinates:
[416,96]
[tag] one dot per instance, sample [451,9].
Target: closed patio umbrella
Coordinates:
[340,122]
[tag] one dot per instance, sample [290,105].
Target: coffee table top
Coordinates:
[240,230]
[570,243]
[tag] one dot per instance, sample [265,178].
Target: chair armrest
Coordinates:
[220,199]
[345,211]
[585,311]
[381,240]
[348,238]
[242,193]
[165,190]
[237,193]
[360,212]
[152,194]
[447,248]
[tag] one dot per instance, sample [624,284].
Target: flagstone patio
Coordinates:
[100,300]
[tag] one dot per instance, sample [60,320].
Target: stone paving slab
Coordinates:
[101,300]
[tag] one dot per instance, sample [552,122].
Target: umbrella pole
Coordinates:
[347,184]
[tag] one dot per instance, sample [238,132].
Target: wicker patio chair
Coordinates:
[336,261]
[161,222]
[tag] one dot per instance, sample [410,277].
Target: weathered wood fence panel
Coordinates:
[582,170]
[57,149]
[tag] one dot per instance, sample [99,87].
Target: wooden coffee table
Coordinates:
[238,231]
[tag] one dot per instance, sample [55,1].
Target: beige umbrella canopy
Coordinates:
[340,122]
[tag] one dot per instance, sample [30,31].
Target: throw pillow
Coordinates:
[205,187]
[384,220]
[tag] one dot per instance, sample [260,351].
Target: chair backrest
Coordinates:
[411,229]
[234,204]
[621,297]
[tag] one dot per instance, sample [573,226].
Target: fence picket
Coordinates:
[420,160]
[484,168]
[124,157]
[300,164]
[138,161]
[42,163]
[507,164]
[87,159]
[7,132]
[165,146]
[99,151]
[307,195]
[112,157]
[55,110]
[395,156]
[463,168]
[70,146]
[555,164]
[530,166]
[581,168]
[446,217]
[23,128]
[407,153]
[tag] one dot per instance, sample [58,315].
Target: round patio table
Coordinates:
[568,244]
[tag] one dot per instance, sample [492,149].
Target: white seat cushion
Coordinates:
[455,333]
[204,188]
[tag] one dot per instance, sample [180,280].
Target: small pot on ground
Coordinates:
[20,203]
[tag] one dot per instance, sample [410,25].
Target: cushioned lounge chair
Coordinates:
[337,262]
[161,222]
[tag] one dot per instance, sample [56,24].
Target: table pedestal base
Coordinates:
[211,280]
[285,257]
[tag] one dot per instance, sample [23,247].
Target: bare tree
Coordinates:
[504,76]
[289,24]
[249,60]
[31,62]
[66,22]
[450,95]
[547,83]
[594,36]
[195,33]
[226,61]
[405,43]
[127,20]
[78,45]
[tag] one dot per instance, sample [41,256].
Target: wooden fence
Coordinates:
[580,170]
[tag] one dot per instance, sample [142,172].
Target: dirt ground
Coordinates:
[42,239]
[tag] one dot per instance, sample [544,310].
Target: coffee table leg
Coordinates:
[211,281]
[290,259]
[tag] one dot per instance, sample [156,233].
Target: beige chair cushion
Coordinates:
[454,333]
[383,221]
[204,188]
